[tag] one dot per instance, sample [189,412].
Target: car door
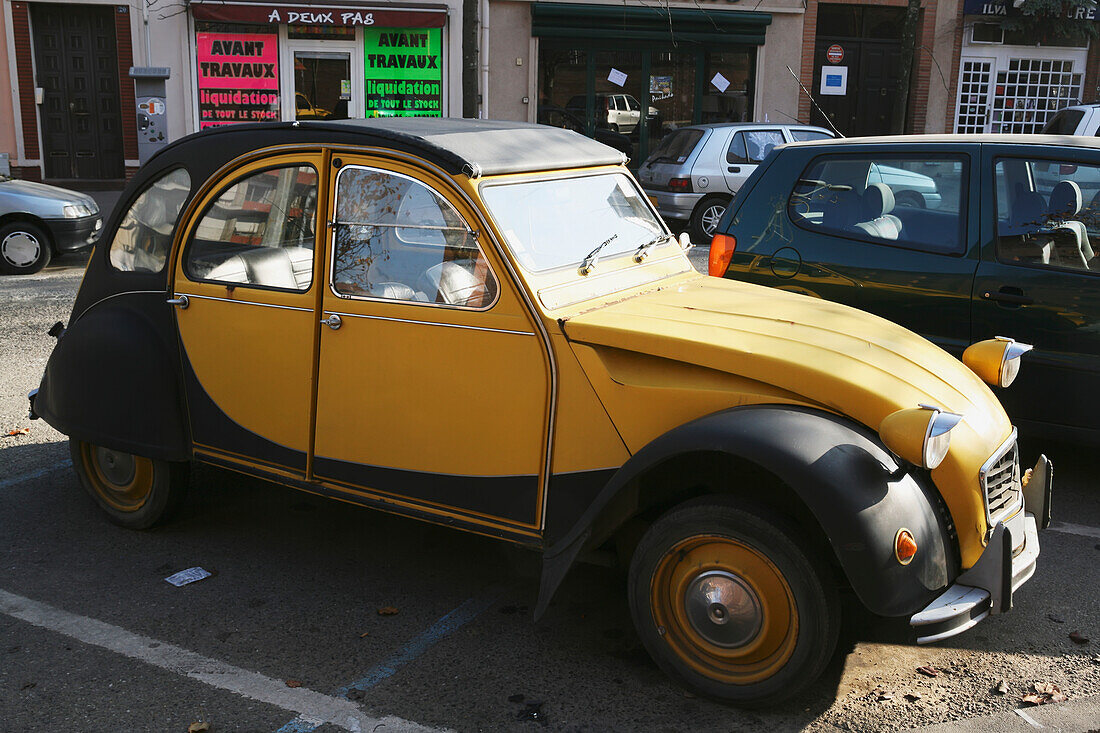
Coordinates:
[245,291]
[746,150]
[828,225]
[1039,279]
[433,387]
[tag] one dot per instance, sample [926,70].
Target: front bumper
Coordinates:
[673,205]
[1007,563]
[70,235]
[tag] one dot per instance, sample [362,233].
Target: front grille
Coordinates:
[1000,478]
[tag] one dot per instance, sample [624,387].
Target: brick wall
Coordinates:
[922,59]
[24,71]
[127,102]
[953,73]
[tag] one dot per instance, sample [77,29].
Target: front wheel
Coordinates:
[730,606]
[134,491]
[705,218]
[24,248]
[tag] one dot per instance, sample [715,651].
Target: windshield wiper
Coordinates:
[643,251]
[590,259]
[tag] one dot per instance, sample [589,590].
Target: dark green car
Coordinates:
[957,237]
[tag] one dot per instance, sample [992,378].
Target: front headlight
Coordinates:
[920,435]
[996,360]
[75,211]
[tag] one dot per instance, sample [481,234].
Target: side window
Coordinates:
[753,146]
[259,231]
[144,236]
[1048,213]
[800,136]
[917,202]
[397,239]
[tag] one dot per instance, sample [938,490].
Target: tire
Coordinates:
[704,220]
[784,607]
[912,199]
[133,491]
[24,248]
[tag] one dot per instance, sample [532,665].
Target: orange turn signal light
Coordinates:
[905,547]
[722,247]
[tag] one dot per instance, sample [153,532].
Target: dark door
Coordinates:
[77,66]
[879,73]
[1039,280]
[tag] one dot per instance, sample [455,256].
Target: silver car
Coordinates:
[694,171]
[38,221]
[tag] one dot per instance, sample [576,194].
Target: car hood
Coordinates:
[827,354]
[31,191]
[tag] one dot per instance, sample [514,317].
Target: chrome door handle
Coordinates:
[334,321]
[183,301]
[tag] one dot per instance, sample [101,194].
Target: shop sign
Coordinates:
[404,72]
[238,75]
[1005,8]
[835,54]
[343,15]
[834,81]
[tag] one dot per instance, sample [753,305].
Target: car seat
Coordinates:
[1020,238]
[878,202]
[1071,239]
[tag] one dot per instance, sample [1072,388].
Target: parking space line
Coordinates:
[313,706]
[1077,529]
[444,627]
[35,474]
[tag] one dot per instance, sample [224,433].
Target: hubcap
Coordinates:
[723,609]
[20,249]
[710,218]
[118,468]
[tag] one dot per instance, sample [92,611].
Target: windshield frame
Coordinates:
[664,231]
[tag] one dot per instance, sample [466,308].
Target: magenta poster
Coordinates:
[238,78]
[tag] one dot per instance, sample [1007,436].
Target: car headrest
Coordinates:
[1065,200]
[878,200]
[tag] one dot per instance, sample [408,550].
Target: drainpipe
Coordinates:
[483,12]
[145,21]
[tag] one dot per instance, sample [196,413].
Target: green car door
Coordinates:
[1039,279]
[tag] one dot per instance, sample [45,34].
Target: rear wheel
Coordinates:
[24,248]
[705,218]
[730,606]
[134,491]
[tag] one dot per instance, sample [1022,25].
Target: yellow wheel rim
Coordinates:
[724,609]
[122,480]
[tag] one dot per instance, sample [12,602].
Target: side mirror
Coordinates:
[685,241]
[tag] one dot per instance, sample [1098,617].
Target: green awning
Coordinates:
[663,25]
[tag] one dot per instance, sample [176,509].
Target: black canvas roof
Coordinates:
[474,147]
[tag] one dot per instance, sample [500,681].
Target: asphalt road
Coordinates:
[286,634]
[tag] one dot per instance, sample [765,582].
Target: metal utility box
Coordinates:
[152,119]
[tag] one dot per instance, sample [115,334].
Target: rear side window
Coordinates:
[918,202]
[259,231]
[676,146]
[1064,123]
[144,236]
[801,136]
[753,146]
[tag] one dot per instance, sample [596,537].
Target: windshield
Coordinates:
[549,224]
[675,147]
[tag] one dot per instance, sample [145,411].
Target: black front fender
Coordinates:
[857,491]
[113,379]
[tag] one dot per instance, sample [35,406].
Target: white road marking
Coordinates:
[1028,719]
[1077,529]
[35,474]
[311,705]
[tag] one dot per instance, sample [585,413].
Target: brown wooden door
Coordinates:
[77,65]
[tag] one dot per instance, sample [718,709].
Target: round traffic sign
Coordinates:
[835,54]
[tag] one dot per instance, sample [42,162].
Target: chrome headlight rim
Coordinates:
[937,435]
[1010,364]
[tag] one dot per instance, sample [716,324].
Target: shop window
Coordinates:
[727,91]
[144,236]
[404,72]
[1030,91]
[913,202]
[987,33]
[237,73]
[259,231]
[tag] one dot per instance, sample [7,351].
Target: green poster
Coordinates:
[404,72]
